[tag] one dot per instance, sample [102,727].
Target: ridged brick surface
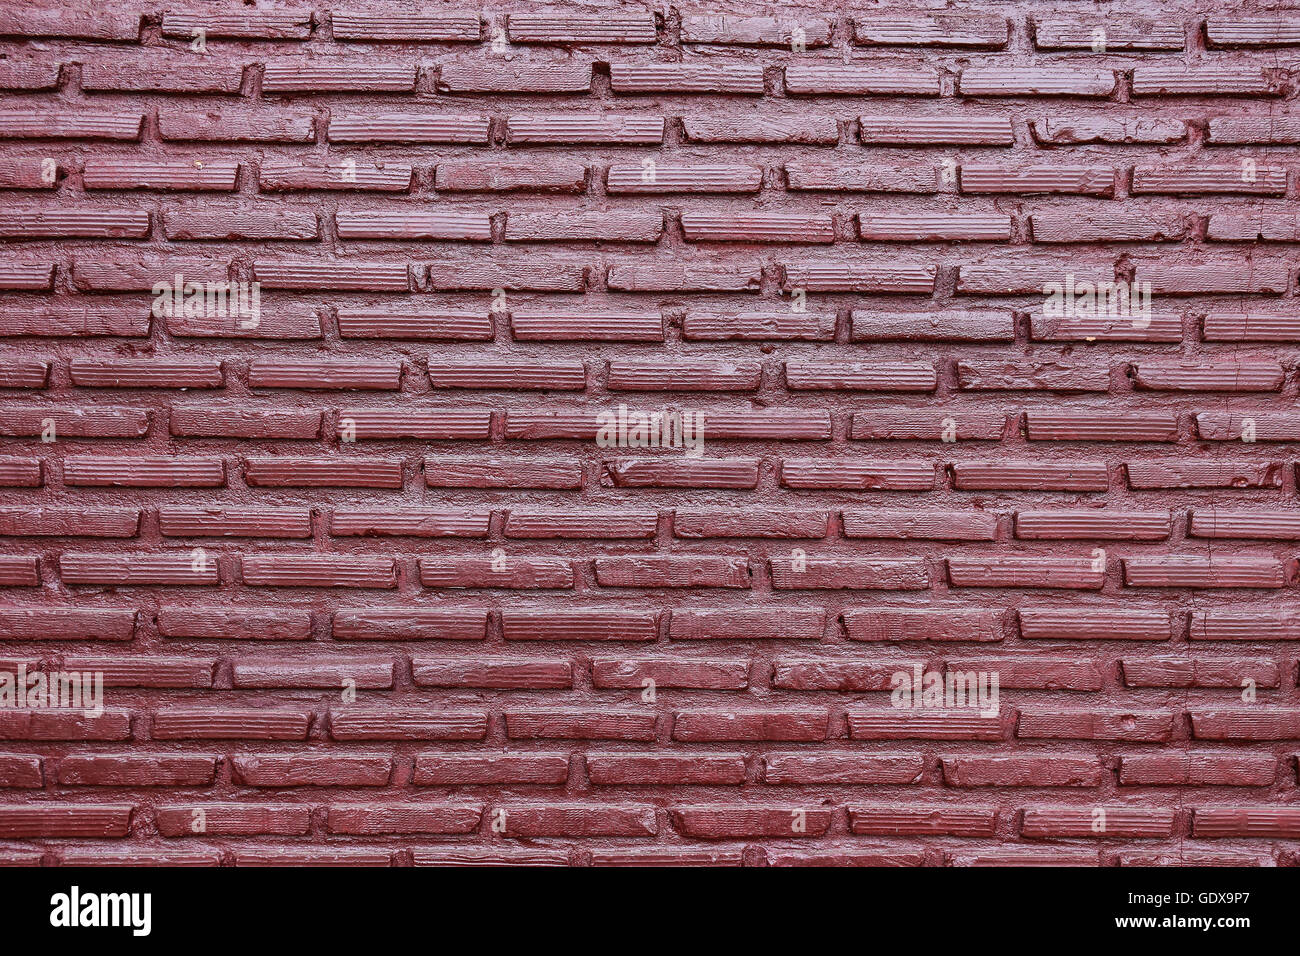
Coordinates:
[366,587]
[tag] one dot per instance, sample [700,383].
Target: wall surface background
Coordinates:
[364,581]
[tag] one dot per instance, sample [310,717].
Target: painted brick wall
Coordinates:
[366,581]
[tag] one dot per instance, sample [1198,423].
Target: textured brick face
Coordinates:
[367,580]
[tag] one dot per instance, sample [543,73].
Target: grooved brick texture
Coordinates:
[366,585]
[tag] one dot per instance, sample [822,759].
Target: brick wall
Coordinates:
[368,577]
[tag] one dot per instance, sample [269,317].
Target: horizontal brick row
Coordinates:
[216,521]
[881,625]
[343,72]
[833,854]
[418,321]
[811,674]
[714,822]
[285,126]
[277,770]
[965,30]
[796,474]
[800,723]
[490,371]
[530,571]
[278,222]
[784,320]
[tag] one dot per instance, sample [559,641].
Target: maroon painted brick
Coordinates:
[137,770]
[605,639]
[489,769]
